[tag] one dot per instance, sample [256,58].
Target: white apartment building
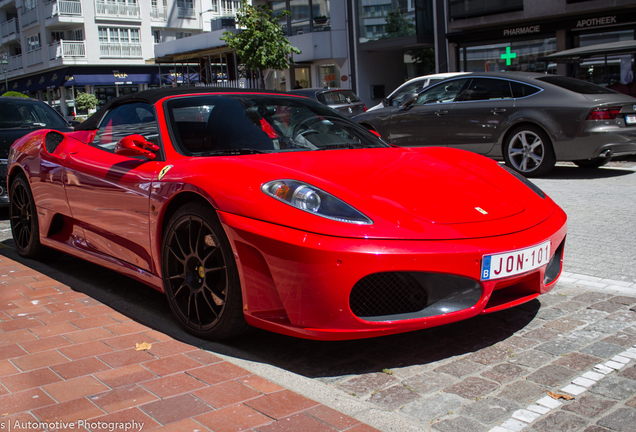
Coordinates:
[53,49]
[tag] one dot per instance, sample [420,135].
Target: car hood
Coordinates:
[432,193]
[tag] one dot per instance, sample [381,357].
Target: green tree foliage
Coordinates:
[85,101]
[14,94]
[261,45]
[398,25]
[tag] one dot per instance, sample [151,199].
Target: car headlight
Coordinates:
[309,198]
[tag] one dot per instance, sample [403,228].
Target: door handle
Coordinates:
[498,111]
[441,112]
[73,151]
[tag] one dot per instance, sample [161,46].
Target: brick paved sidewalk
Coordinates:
[68,360]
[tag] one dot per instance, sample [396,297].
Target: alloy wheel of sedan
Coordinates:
[528,151]
[24,221]
[200,276]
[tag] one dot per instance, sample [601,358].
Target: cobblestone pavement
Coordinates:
[491,373]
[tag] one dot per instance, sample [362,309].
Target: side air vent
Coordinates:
[52,140]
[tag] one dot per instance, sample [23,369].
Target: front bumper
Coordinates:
[300,284]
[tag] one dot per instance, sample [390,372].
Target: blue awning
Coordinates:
[119,78]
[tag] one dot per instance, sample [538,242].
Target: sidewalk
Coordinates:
[75,364]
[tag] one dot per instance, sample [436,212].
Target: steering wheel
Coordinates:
[305,127]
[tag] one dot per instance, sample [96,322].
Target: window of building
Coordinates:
[473,8]
[329,76]
[511,56]
[306,15]
[181,35]
[389,19]
[77,35]
[33,43]
[119,35]
[57,36]
[156,34]
[29,4]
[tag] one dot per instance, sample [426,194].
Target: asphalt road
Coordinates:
[361,376]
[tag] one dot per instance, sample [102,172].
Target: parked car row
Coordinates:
[528,120]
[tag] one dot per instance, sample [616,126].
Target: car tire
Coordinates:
[24,219]
[528,151]
[200,276]
[592,163]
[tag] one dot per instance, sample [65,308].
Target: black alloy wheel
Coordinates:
[200,276]
[528,150]
[24,219]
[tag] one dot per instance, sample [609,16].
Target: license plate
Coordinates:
[506,264]
[630,119]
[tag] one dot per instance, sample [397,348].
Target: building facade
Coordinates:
[525,35]
[51,50]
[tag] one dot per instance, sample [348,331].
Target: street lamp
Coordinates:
[4,63]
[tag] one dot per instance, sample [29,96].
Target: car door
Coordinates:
[424,123]
[108,194]
[475,121]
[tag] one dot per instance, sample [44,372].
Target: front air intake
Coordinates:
[382,294]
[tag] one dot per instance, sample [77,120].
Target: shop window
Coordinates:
[330,76]
[516,56]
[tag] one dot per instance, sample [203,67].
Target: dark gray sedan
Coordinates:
[529,120]
[346,102]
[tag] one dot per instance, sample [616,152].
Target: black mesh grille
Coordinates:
[387,294]
[52,140]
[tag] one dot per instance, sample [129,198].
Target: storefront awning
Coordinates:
[119,78]
[600,50]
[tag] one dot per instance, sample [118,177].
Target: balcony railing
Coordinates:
[159,13]
[119,50]
[34,57]
[185,13]
[9,27]
[29,17]
[15,63]
[117,10]
[63,8]
[67,49]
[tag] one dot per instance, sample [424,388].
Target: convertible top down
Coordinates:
[271,210]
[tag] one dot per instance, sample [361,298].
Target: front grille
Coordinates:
[387,294]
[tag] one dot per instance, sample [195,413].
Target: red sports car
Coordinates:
[271,210]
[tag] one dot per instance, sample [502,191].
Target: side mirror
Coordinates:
[136,145]
[409,100]
[386,102]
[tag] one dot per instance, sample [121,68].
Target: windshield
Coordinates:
[244,124]
[29,114]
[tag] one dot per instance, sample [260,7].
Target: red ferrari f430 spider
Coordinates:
[271,210]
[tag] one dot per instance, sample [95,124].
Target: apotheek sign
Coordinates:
[593,22]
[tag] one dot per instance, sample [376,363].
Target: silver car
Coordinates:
[346,102]
[529,120]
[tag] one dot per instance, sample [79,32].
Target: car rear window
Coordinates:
[337,97]
[576,85]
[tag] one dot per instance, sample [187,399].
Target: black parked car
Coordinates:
[344,101]
[18,117]
[529,120]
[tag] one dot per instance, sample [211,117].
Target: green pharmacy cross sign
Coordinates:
[508,56]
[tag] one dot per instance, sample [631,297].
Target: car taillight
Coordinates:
[365,107]
[607,113]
